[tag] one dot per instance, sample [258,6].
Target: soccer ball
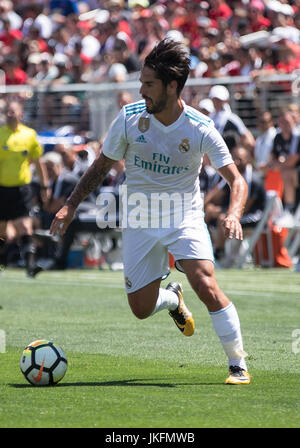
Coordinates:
[43,363]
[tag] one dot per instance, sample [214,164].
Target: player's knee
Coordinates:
[139,313]
[204,285]
[138,308]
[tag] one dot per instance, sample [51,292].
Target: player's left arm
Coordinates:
[238,197]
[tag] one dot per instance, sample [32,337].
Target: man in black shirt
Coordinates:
[216,202]
[285,157]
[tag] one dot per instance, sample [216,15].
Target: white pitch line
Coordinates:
[120,286]
[63,283]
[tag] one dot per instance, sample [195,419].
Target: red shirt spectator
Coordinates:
[219,10]
[8,35]
[16,77]
[258,21]
[13,74]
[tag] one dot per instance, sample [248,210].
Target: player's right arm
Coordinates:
[88,182]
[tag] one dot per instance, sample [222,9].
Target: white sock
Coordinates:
[166,300]
[227,326]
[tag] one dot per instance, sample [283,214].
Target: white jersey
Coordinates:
[165,159]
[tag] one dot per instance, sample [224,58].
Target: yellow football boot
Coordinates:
[181,315]
[237,375]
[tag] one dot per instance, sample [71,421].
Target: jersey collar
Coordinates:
[173,126]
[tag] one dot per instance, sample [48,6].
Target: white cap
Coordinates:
[60,59]
[46,56]
[175,35]
[207,105]
[52,156]
[219,92]
[102,16]
[34,58]
[117,71]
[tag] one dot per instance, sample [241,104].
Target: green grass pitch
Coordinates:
[126,373]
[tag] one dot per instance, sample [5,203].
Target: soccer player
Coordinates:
[18,148]
[163,141]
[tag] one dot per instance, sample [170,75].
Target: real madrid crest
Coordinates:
[184,145]
[128,282]
[144,124]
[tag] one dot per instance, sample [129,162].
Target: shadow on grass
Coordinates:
[121,383]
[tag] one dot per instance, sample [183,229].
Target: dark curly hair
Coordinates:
[170,60]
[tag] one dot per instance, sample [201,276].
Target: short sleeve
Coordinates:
[35,150]
[115,143]
[216,149]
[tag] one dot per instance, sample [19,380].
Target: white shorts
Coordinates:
[145,252]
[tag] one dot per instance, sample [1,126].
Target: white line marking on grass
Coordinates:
[64,283]
[121,286]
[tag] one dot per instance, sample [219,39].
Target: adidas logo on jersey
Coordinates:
[141,139]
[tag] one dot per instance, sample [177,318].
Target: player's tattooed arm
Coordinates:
[90,180]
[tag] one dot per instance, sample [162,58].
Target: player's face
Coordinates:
[153,91]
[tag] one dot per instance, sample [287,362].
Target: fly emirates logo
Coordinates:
[160,163]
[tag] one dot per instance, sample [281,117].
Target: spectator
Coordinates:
[206,106]
[71,110]
[96,71]
[284,27]
[62,62]
[66,176]
[79,59]
[264,141]
[64,7]
[288,62]
[9,35]
[217,200]
[294,108]
[7,10]
[124,98]
[54,165]
[219,9]
[258,21]
[35,17]
[76,159]
[14,75]
[229,124]
[19,147]
[124,56]
[285,158]
[117,72]
[46,70]
[90,45]
[34,35]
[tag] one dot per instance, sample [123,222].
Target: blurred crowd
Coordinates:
[269,161]
[69,41]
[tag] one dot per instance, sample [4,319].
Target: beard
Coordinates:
[158,106]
